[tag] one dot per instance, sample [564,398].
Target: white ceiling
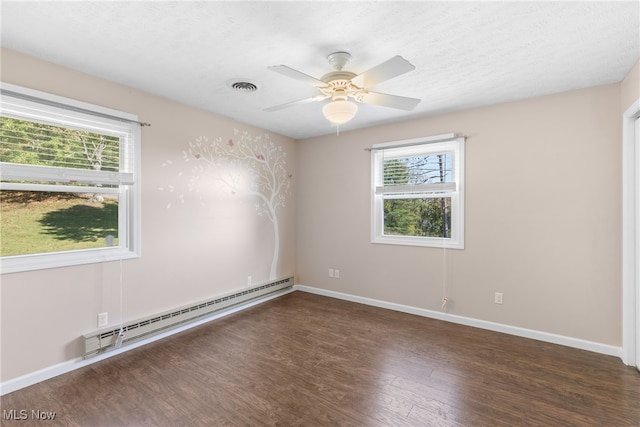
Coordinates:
[467,54]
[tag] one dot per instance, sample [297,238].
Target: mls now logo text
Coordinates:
[23,414]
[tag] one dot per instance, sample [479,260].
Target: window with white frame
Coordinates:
[418,192]
[69,190]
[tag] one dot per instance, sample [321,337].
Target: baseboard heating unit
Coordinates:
[105,339]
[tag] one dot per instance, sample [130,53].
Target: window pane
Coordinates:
[426,217]
[32,143]
[37,222]
[422,169]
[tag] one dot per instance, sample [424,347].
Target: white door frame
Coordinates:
[630,237]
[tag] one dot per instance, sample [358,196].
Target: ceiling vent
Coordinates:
[242,86]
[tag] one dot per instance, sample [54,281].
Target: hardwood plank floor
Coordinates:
[308,360]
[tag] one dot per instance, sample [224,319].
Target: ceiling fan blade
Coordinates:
[385,71]
[298,75]
[392,101]
[296,103]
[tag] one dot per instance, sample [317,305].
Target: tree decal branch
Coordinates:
[245,164]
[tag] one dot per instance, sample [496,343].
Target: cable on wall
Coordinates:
[120,337]
[445,298]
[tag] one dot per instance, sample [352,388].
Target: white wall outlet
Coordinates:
[331,272]
[103,319]
[249,280]
[336,273]
[497,298]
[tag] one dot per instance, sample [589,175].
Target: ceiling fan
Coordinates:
[340,85]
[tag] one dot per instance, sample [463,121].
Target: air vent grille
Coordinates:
[244,86]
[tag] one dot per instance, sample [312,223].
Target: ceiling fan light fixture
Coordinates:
[340,111]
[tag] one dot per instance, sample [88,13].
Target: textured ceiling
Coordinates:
[467,54]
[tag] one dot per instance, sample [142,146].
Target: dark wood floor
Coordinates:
[308,360]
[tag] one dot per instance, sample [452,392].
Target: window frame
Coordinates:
[127,179]
[446,143]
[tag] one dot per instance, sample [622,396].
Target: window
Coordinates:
[69,190]
[418,192]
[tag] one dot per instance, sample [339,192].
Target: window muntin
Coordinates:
[78,174]
[418,192]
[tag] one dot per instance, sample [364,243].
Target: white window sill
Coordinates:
[16,264]
[429,242]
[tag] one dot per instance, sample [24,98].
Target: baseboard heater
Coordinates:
[105,339]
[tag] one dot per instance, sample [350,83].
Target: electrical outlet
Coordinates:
[331,272]
[249,280]
[103,319]
[497,298]
[336,273]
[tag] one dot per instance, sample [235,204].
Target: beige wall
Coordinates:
[630,87]
[543,208]
[190,252]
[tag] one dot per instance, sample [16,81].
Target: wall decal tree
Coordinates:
[243,165]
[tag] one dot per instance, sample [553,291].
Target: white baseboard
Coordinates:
[70,365]
[468,321]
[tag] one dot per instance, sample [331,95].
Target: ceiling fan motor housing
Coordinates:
[339,85]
